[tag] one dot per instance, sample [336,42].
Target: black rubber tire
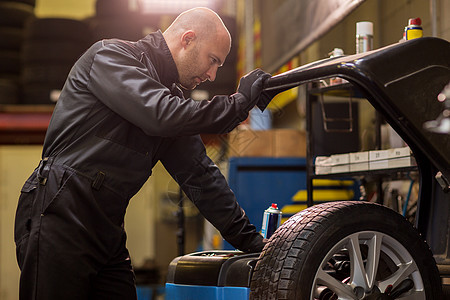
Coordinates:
[108,28]
[11,38]
[15,14]
[65,52]
[10,62]
[9,91]
[29,2]
[48,73]
[39,93]
[299,251]
[55,29]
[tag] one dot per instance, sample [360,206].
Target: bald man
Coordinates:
[120,112]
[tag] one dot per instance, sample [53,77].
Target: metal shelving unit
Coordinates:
[315,94]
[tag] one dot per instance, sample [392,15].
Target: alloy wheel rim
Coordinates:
[367,250]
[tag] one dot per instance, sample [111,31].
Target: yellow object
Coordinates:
[283,99]
[291,209]
[414,34]
[332,182]
[283,220]
[286,97]
[217,241]
[324,195]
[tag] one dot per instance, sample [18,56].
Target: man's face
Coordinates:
[200,61]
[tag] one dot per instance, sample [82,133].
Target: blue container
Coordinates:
[147,292]
[198,292]
[144,293]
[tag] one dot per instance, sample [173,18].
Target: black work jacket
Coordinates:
[120,113]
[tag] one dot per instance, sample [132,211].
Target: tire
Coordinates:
[311,256]
[11,38]
[64,52]
[58,29]
[29,2]
[15,14]
[9,62]
[40,94]
[9,91]
[48,73]
[108,28]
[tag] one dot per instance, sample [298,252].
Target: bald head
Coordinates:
[199,43]
[203,21]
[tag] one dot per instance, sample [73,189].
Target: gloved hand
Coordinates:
[251,86]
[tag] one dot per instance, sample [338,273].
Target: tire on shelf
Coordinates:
[51,46]
[108,28]
[9,91]
[29,2]
[9,62]
[11,38]
[55,29]
[40,93]
[328,251]
[48,73]
[15,14]
[66,52]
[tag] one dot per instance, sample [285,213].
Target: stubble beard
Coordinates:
[188,70]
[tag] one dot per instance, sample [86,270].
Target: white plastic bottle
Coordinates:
[364,37]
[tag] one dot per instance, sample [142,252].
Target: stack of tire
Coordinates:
[113,19]
[50,48]
[13,16]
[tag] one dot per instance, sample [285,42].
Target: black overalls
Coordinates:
[119,113]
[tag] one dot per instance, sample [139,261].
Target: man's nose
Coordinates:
[211,73]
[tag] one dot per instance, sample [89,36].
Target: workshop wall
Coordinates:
[389,19]
[16,165]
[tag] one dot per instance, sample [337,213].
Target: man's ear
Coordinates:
[187,38]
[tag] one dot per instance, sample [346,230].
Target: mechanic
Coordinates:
[120,112]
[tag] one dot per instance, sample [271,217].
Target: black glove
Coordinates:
[251,86]
[246,82]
